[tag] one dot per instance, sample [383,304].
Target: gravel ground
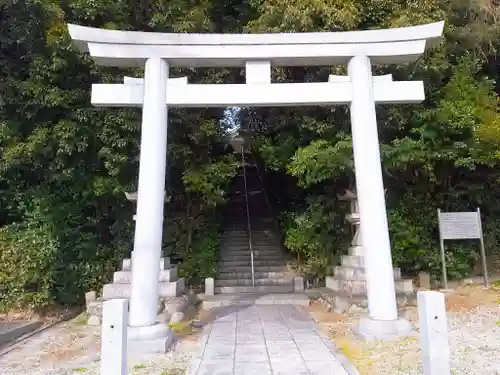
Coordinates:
[73,348]
[474,337]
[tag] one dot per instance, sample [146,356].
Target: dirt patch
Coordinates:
[48,315]
[319,312]
[466,298]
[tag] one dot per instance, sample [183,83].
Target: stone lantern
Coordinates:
[353,216]
[238,142]
[132,197]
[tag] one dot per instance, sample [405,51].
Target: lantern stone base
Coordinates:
[347,287]
[172,302]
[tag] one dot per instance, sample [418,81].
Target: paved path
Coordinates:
[265,340]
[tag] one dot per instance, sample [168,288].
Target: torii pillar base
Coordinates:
[156,338]
[371,329]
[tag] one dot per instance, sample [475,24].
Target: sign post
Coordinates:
[461,226]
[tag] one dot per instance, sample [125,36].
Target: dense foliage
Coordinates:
[64,219]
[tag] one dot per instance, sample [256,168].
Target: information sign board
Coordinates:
[460,226]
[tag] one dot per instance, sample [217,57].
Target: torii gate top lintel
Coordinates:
[132,48]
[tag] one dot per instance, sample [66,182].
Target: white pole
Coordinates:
[151,195]
[114,337]
[370,190]
[433,333]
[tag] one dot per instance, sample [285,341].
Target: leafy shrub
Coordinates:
[27,257]
[317,235]
[414,249]
[200,261]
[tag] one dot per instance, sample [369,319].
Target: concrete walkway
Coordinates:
[265,340]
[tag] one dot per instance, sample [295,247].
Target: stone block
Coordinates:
[209,286]
[90,296]
[370,329]
[298,284]
[356,287]
[94,308]
[166,289]
[164,264]
[148,340]
[125,277]
[404,286]
[358,273]
[424,281]
[177,304]
[160,306]
[352,261]
[350,273]
[330,282]
[176,317]
[94,320]
[356,251]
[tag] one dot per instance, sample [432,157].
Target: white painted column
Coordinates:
[370,191]
[150,199]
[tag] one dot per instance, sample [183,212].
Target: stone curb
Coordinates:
[20,330]
[19,340]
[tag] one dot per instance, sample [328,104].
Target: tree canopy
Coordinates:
[64,218]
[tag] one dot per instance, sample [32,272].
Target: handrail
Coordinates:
[269,205]
[249,228]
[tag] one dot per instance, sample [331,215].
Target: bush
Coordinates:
[415,248]
[200,261]
[27,259]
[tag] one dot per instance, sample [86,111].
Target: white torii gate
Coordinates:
[156,52]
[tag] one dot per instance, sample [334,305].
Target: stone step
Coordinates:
[244,232]
[165,289]
[235,245]
[248,268]
[297,299]
[125,277]
[352,261]
[248,282]
[357,273]
[255,289]
[248,275]
[356,251]
[256,257]
[261,235]
[164,264]
[240,263]
[245,237]
[246,250]
[342,302]
[355,287]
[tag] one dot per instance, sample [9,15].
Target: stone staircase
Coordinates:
[347,286]
[270,261]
